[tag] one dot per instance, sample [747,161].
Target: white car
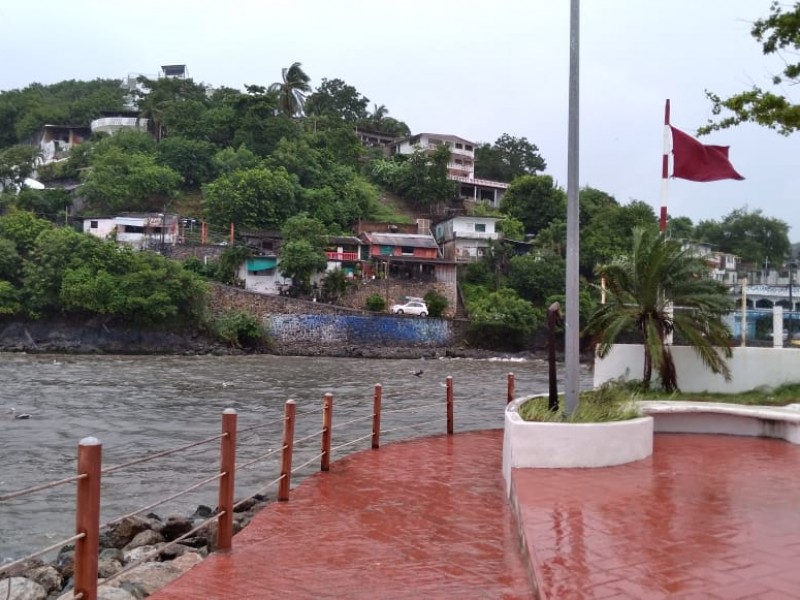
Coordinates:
[412,307]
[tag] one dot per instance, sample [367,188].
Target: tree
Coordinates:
[120,181]
[508,158]
[655,290]
[536,277]
[292,90]
[680,228]
[160,101]
[536,201]
[16,165]
[303,250]
[335,97]
[502,320]
[257,198]
[777,32]
[749,235]
[192,159]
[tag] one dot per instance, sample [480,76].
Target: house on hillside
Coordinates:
[464,238]
[346,253]
[55,141]
[112,122]
[461,168]
[152,231]
[260,273]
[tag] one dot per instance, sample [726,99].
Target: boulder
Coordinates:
[121,534]
[20,588]
[106,567]
[138,553]
[104,593]
[48,577]
[148,537]
[151,576]
[175,527]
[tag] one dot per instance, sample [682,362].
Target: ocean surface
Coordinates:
[140,405]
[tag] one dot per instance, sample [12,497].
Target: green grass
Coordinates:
[780,396]
[614,402]
[607,403]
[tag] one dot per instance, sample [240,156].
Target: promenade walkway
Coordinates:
[711,517]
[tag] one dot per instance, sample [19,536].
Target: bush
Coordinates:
[376,303]
[240,329]
[436,303]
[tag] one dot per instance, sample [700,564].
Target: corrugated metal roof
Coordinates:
[411,240]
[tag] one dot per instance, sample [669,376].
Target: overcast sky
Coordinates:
[475,69]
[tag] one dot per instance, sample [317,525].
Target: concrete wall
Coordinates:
[751,368]
[299,325]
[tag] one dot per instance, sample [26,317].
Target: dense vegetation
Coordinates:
[284,156]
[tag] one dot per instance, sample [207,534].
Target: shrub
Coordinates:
[436,303]
[376,303]
[240,329]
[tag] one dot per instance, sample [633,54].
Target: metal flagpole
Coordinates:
[662,222]
[572,321]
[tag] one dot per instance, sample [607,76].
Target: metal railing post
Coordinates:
[87,520]
[327,422]
[227,466]
[286,454]
[376,416]
[510,397]
[449,404]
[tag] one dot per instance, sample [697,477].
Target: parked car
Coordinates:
[412,307]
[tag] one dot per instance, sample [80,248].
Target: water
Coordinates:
[145,404]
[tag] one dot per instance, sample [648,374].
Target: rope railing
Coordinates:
[183,492]
[90,471]
[260,425]
[250,463]
[150,457]
[9,566]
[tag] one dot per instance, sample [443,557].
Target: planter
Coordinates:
[529,444]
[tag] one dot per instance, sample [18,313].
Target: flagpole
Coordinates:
[662,222]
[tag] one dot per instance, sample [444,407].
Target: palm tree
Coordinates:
[292,90]
[658,289]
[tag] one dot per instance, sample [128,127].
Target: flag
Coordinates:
[698,162]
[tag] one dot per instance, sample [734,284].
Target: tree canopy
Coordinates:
[778,33]
[536,201]
[750,235]
[508,158]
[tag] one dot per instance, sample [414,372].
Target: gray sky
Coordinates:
[476,69]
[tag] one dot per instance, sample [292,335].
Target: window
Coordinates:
[459,146]
[133,229]
[468,148]
[480,227]
[459,161]
[407,251]
[93,224]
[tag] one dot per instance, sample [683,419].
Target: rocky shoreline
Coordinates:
[123,545]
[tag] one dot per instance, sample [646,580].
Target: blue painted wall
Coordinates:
[357,329]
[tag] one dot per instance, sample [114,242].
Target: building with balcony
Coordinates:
[465,238]
[461,167]
[110,123]
[55,141]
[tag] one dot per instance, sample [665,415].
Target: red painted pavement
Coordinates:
[423,519]
[706,517]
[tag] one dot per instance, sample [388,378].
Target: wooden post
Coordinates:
[227,466]
[286,455]
[449,405]
[87,519]
[510,396]
[376,416]
[327,422]
[232,238]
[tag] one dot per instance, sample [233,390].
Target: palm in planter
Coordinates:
[660,288]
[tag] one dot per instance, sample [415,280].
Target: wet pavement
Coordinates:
[706,517]
[426,518]
[712,517]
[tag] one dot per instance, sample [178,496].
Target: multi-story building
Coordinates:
[461,167]
[465,238]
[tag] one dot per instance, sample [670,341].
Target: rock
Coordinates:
[187,561]
[152,576]
[107,567]
[202,512]
[48,577]
[105,593]
[121,534]
[148,537]
[112,554]
[139,553]
[20,588]
[65,562]
[175,527]
[172,552]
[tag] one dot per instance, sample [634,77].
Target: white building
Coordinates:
[142,232]
[465,238]
[461,167]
